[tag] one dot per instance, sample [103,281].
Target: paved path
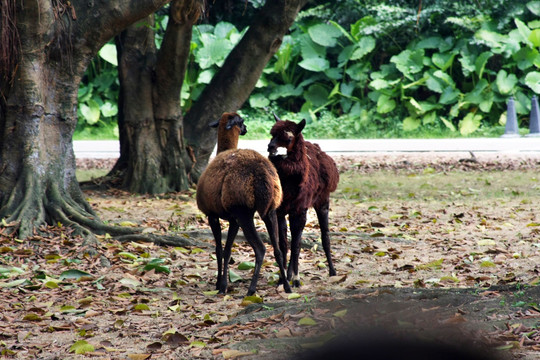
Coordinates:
[110,149]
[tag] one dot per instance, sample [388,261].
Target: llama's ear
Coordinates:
[300,126]
[276,117]
[214,124]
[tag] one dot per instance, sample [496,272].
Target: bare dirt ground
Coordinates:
[457,264]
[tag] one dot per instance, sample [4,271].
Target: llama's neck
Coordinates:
[298,150]
[227,139]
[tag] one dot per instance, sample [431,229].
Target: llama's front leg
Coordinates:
[213,221]
[272,226]
[322,215]
[283,245]
[297,222]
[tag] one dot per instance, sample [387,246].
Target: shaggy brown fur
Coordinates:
[254,183]
[308,176]
[235,185]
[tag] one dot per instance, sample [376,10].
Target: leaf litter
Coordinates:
[458,226]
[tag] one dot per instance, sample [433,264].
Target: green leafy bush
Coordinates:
[441,66]
[365,68]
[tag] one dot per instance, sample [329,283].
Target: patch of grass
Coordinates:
[477,185]
[87,175]
[100,131]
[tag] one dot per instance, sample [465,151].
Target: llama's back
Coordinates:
[327,170]
[238,178]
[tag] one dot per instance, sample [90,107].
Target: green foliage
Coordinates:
[353,68]
[98,95]
[449,66]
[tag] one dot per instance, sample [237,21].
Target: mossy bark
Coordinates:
[161,150]
[38,110]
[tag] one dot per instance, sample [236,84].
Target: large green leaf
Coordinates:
[467,63]
[534,7]
[324,34]
[224,29]
[205,76]
[410,123]
[379,84]
[258,101]
[526,57]
[449,96]
[364,47]
[282,91]
[316,94]
[385,104]
[108,53]
[470,123]
[316,64]
[357,27]
[505,82]
[534,37]
[435,84]
[524,31]
[213,52]
[491,38]
[443,60]
[409,62]
[448,124]
[481,61]
[310,49]
[433,42]
[109,109]
[532,80]
[90,111]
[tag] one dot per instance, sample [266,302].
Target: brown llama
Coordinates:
[308,176]
[235,185]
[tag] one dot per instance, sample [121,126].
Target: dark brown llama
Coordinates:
[235,185]
[308,176]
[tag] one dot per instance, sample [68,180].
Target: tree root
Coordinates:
[164,240]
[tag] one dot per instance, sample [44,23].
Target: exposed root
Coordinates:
[164,240]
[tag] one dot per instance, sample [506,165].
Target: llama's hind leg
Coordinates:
[272,227]
[231,235]
[322,215]
[248,227]
[213,221]
[297,222]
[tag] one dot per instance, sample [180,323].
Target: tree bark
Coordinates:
[153,156]
[160,149]
[39,108]
[234,82]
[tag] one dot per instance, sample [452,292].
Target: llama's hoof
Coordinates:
[332,272]
[296,283]
[287,288]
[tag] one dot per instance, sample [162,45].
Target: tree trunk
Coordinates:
[234,82]
[39,107]
[153,157]
[160,150]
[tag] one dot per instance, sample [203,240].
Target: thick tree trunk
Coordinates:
[153,156]
[39,109]
[160,150]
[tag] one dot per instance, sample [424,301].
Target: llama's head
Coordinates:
[284,135]
[230,127]
[229,120]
